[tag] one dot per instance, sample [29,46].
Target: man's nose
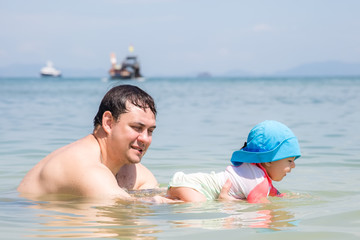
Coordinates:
[144,137]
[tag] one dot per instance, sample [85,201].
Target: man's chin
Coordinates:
[134,160]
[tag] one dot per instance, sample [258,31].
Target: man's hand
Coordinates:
[224,193]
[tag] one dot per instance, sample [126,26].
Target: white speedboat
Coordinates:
[49,71]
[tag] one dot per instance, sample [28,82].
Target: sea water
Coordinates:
[200,122]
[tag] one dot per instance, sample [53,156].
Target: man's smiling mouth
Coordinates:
[139,149]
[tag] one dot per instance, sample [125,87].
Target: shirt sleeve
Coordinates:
[251,181]
[259,193]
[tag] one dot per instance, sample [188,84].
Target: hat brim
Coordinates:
[287,148]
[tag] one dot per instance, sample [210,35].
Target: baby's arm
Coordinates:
[185,194]
[224,193]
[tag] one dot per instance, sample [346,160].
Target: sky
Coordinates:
[180,37]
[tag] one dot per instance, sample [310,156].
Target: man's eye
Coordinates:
[137,128]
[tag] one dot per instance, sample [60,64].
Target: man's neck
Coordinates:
[100,136]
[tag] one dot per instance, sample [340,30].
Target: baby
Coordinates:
[268,155]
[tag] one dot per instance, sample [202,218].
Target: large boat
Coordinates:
[128,69]
[49,71]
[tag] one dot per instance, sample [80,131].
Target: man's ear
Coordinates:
[107,121]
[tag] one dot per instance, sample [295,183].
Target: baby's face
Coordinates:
[277,170]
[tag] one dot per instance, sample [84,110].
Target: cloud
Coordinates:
[262,28]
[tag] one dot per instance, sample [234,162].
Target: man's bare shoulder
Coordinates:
[74,159]
[55,172]
[82,146]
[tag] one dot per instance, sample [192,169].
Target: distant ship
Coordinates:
[204,75]
[49,71]
[127,70]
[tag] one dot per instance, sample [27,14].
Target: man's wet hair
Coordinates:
[116,98]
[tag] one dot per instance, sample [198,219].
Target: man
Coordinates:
[101,164]
[96,165]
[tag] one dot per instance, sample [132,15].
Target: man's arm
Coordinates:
[100,183]
[136,177]
[146,180]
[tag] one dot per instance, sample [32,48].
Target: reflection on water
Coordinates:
[82,218]
[232,215]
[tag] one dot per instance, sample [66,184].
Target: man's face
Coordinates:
[131,134]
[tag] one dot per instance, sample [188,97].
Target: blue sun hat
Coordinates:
[268,141]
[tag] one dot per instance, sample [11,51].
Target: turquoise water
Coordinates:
[199,123]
